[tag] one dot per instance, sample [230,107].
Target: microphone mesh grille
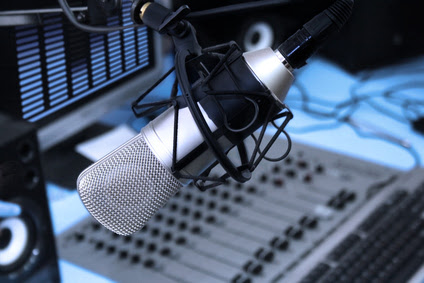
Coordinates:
[124,189]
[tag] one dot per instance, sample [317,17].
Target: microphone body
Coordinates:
[124,189]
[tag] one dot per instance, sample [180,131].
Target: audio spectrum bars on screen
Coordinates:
[58,65]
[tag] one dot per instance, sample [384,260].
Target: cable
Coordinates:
[408,147]
[355,100]
[300,46]
[315,128]
[230,9]
[388,95]
[341,112]
[238,8]
[87,28]
[346,105]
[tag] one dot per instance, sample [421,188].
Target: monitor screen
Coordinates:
[63,79]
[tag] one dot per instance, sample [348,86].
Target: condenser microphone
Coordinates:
[124,189]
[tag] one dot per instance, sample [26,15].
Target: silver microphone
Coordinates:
[124,189]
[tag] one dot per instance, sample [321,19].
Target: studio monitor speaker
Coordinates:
[27,246]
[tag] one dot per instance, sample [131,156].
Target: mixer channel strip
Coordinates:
[253,232]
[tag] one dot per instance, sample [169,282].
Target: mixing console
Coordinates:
[259,231]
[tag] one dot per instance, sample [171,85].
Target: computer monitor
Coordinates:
[63,79]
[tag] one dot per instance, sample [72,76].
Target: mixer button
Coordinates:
[211,219]
[291,173]
[182,225]
[123,254]
[307,178]
[319,169]
[212,204]
[225,195]
[185,211]
[167,236]
[170,221]
[79,237]
[139,243]
[309,222]
[96,226]
[159,217]
[294,232]
[265,255]
[187,197]
[110,249]
[199,201]
[279,243]
[278,182]
[196,230]
[251,190]
[135,259]
[155,232]
[99,245]
[241,278]
[150,263]
[238,199]
[165,251]
[151,247]
[225,209]
[253,267]
[197,215]
[181,241]
[302,164]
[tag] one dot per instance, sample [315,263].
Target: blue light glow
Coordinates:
[31,93]
[30,86]
[32,113]
[32,106]
[32,99]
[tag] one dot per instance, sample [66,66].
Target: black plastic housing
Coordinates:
[306,41]
[236,77]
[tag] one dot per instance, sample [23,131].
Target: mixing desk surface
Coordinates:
[273,228]
[383,242]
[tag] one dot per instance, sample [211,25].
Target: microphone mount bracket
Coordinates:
[269,116]
[187,48]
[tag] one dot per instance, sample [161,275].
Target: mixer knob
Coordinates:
[302,164]
[291,173]
[294,232]
[279,243]
[253,267]
[265,255]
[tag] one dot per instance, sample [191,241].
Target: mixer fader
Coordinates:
[253,232]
